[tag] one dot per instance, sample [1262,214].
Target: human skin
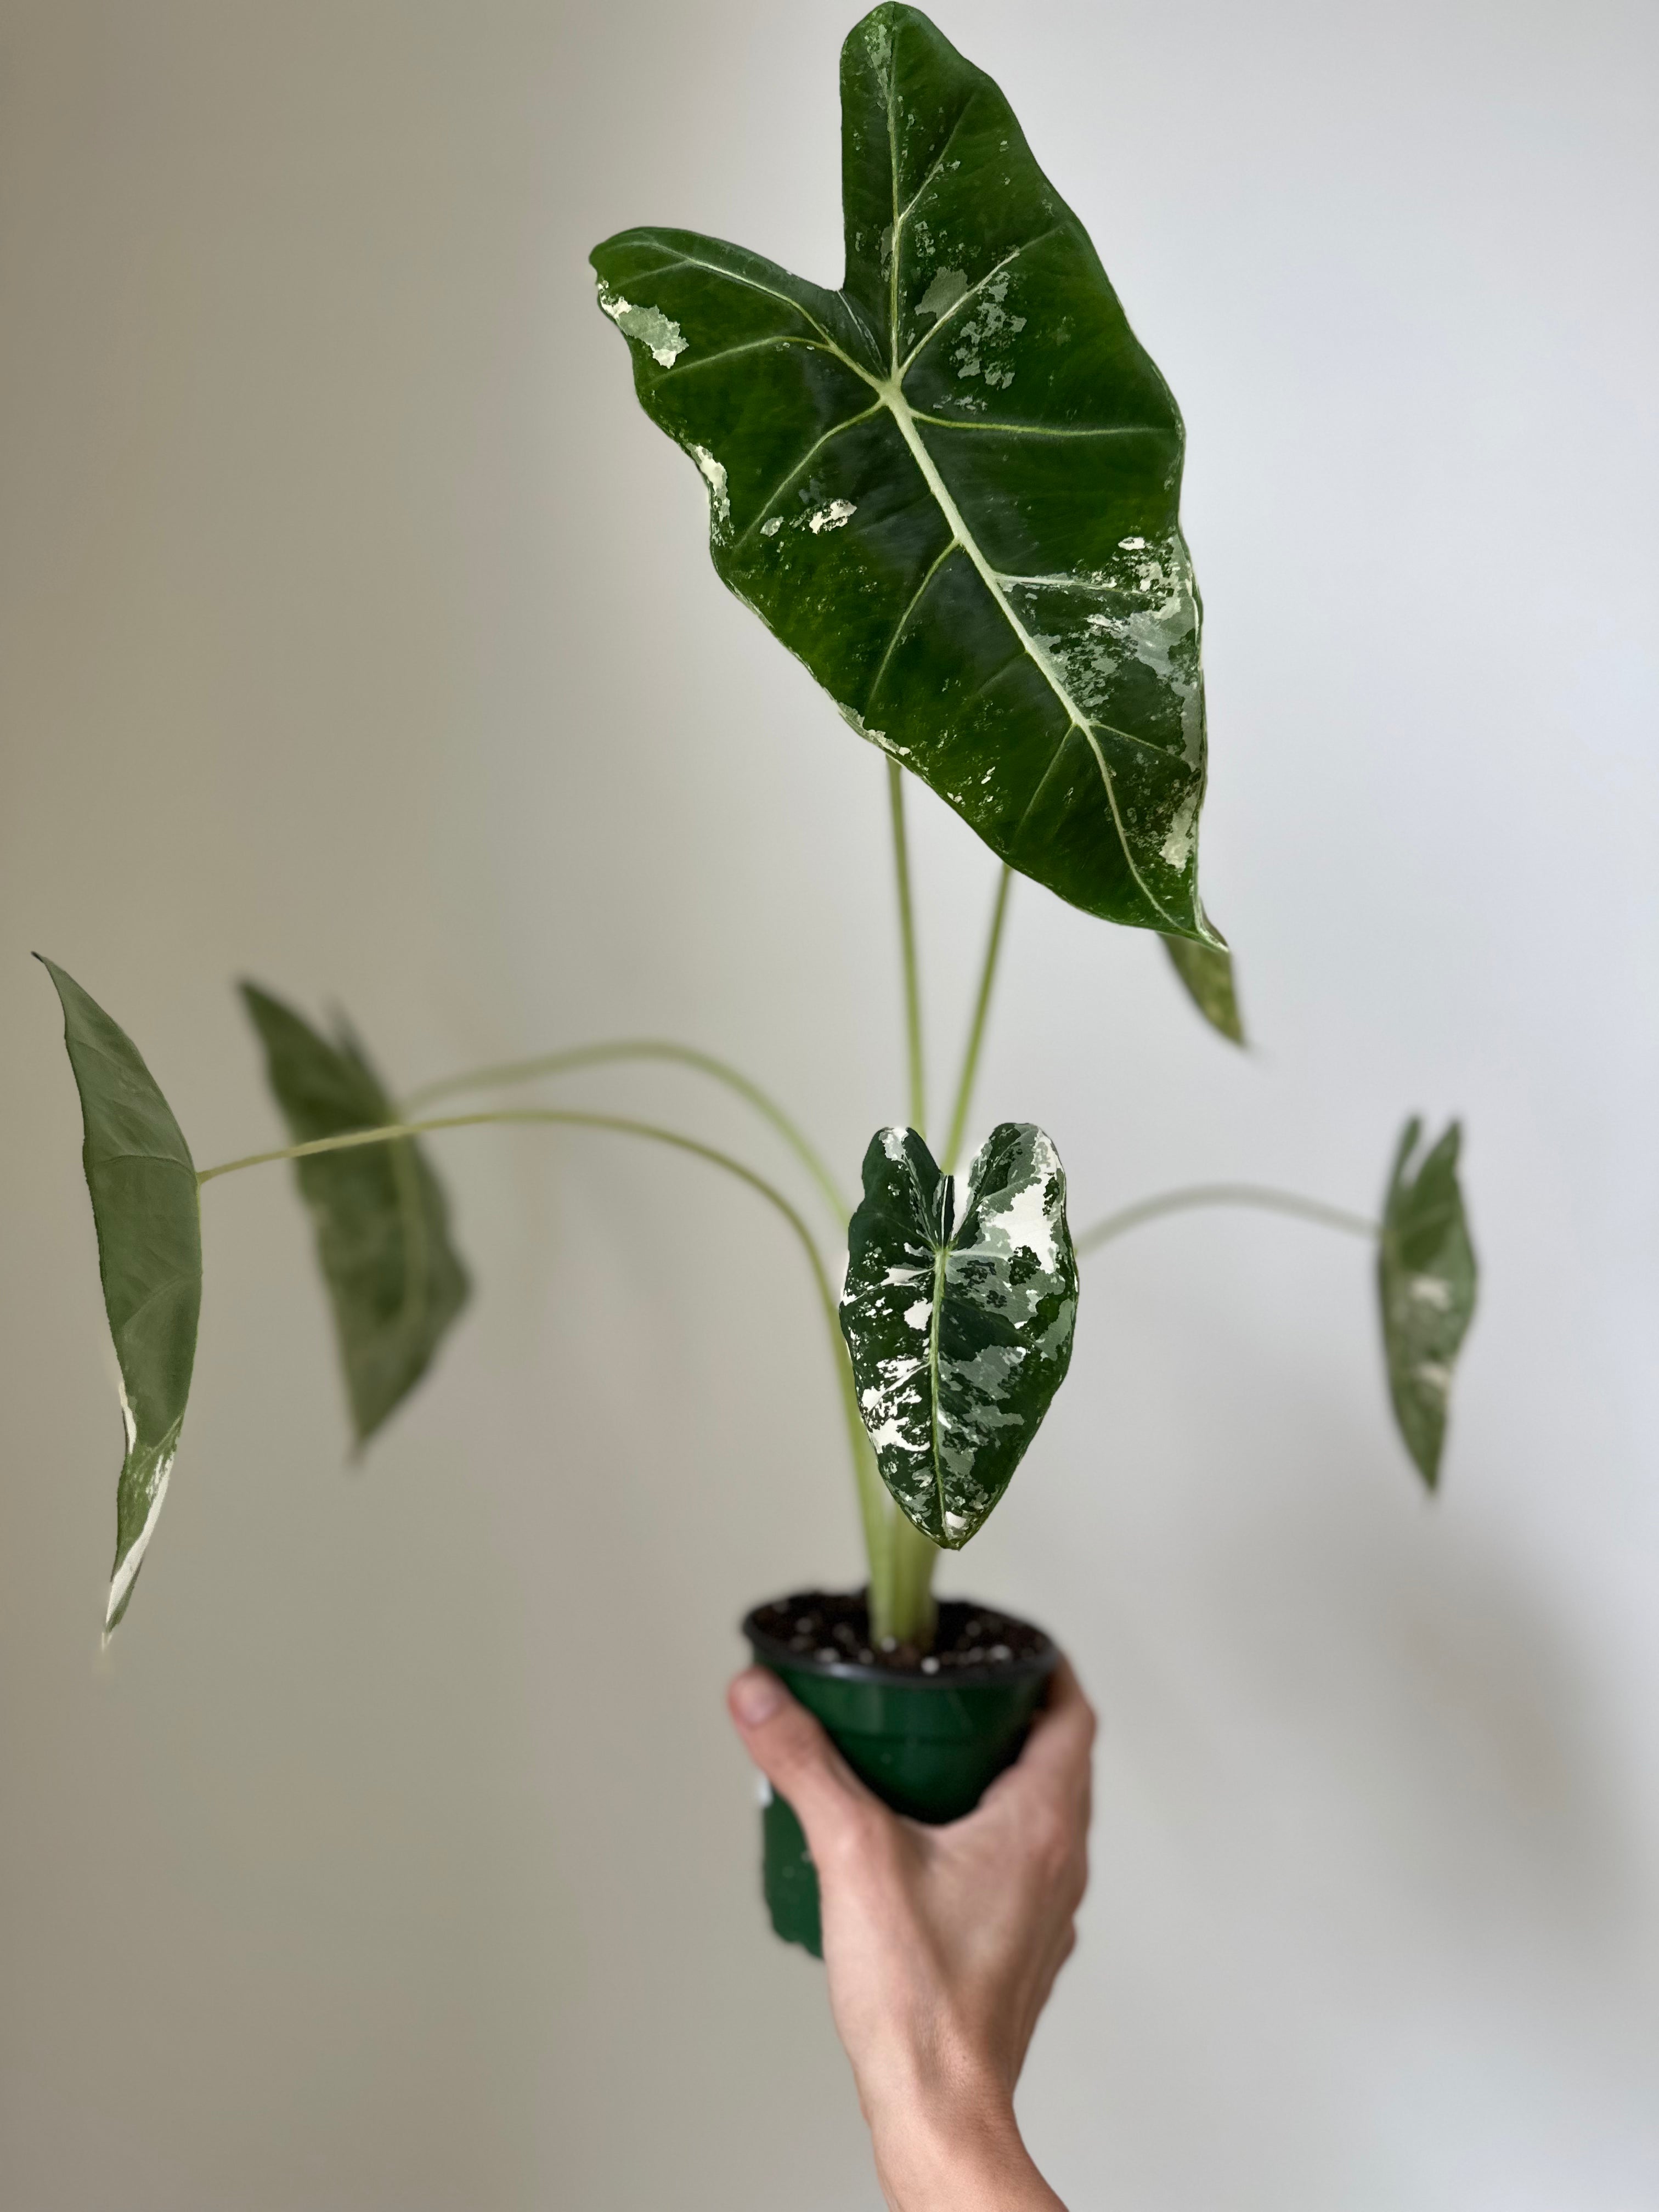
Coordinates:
[941,1944]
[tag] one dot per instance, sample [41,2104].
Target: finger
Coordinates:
[795,1755]
[1054,1768]
[1059,1748]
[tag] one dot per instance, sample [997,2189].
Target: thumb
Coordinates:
[795,1755]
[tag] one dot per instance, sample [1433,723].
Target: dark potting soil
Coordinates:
[834,1627]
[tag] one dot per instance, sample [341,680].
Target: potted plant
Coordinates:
[951,488]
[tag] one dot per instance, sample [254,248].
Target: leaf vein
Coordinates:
[835,430]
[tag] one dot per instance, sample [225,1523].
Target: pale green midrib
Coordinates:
[899,408]
[890,391]
[941,1257]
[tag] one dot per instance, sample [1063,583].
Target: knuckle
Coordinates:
[856,1833]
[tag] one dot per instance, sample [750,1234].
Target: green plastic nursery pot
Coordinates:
[928,1744]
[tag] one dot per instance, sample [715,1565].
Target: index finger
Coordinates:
[1057,1750]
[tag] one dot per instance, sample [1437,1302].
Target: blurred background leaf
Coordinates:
[395,1280]
[146,1205]
[1207,972]
[1426,1285]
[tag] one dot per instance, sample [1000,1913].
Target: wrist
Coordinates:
[957,2153]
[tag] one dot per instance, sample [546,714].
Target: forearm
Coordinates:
[934,2161]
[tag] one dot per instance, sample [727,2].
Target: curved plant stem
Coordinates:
[908,936]
[596,1055]
[1225,1194]
[873,1501]
[976,1033]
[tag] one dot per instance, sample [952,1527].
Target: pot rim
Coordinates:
[1033,1666]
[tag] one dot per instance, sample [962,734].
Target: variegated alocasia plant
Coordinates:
[951,488]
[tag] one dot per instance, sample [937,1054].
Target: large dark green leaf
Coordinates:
[146,1208]
[960,1331]
[394,1280]
[952,487]
[1207,972]
[1426,1285]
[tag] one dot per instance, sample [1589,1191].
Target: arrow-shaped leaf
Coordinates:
[394,1280]
[147,1211]
[1426,1286]
[960,1331]
[1207,970]
[952,487]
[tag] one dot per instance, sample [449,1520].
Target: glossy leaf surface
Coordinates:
[1206,972]
[951,488]
[1426,1286]
[147,1211]
[959,1327]
[395,1281]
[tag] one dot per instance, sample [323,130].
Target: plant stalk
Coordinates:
[1225,1194]
[595,1055]
[902,1559]
[907,937]
[892,1585]
[976,1032]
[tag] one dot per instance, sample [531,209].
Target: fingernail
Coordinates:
[756,1696]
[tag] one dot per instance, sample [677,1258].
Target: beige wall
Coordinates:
[356,633]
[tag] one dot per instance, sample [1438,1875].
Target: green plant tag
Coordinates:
[959,1330]
[146,1207]
[951,488]
[1426,1285]
[395,1281]
[1207,970]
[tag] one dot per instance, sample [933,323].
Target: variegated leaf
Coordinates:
[1207,970]
[146,1208]
[395,1280]
[952,487]
[1426,1287]
[959,1329]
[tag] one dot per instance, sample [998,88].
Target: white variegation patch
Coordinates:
[155,1480]
[953,1385]
[665,337]
[714,475]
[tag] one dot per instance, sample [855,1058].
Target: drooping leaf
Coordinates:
[951,488]
[395,1281]
[959,1328]
[1207,972]
[147,1211]
[1426,1287]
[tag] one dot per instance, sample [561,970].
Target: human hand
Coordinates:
[941,1944]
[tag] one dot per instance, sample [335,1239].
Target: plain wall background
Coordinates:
[356,632]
